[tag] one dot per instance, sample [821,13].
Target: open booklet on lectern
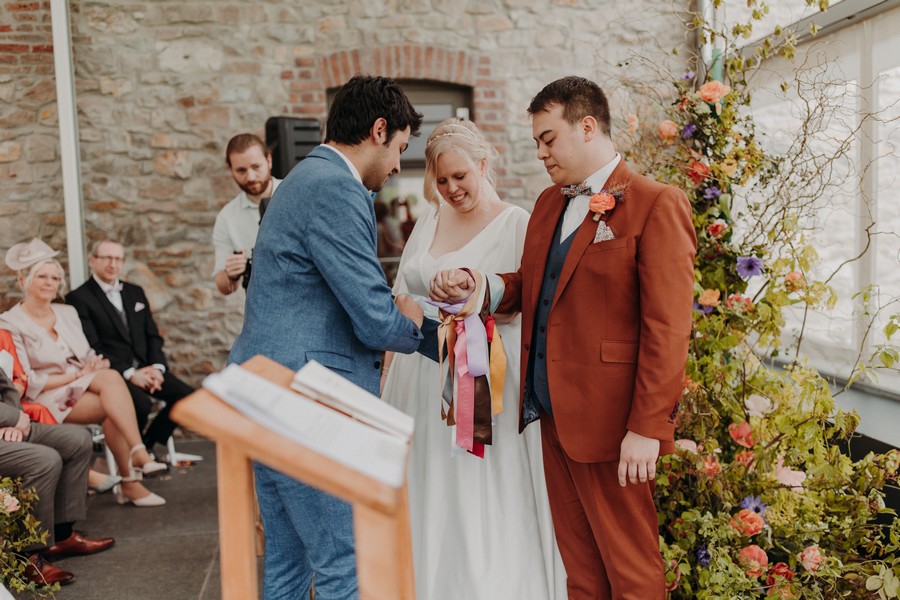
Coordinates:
[373,440]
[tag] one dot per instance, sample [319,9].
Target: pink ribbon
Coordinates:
[465,396]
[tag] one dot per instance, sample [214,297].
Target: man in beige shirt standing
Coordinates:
[234,234]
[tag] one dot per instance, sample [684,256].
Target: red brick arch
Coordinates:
[314,75]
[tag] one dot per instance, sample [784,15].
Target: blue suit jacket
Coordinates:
[317,290]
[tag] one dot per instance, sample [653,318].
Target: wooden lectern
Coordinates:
[380,512]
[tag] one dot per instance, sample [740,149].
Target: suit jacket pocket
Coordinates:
[606,246]
[332,360]
[618,352]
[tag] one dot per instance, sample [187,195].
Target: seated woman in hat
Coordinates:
[65,375]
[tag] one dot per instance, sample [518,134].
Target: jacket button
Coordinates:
[552,275]
[543,329]
[377,364]
[540,355]
[546,302]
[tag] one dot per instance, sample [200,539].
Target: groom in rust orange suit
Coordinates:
[606,319]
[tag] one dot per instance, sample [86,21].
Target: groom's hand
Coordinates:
[410,309]
[637,459]
[452,286]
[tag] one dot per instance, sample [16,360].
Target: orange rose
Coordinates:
[728,166]
[600,203]
[717,229]
[668,130]
[742,434]
[711,466]
[754,560]
[739,303]
[779,572]
[793,281]
[709,298]
[713,91]
[745,457]
[698,172]
[747,522]
[632,123]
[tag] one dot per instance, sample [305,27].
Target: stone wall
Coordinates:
[161,87]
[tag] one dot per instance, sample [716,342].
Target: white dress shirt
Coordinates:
[114,295]
[577,209]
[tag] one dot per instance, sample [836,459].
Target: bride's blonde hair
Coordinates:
[464,137]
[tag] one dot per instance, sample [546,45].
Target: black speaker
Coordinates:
[290,139]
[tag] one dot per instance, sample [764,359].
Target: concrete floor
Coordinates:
[170,552]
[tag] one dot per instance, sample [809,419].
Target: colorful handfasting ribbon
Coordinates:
[474,351]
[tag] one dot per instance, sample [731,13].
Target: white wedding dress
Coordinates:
[481,528]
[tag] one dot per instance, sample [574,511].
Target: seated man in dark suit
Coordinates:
[52,459]
[118,324]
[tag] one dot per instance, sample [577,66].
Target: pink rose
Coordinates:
[789,477]
[742,434]
[10,503]
[668,130]
[754,560]
[673,576]
[713,91]
[688,445]
[709,297]
[811,558]
[747,522]
[757,406]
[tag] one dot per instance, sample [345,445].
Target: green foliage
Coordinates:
[19,530]
[756,439]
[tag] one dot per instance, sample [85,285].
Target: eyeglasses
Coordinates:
[112,259]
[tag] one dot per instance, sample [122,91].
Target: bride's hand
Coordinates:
[452,286]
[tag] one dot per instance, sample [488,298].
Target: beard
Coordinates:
[257,187]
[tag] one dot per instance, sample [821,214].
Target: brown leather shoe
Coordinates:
[78,545]
[43,573]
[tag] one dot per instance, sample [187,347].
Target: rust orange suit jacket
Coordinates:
[620,322]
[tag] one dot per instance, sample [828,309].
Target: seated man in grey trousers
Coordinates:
[54,460]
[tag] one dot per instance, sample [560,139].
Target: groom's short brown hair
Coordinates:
[579,98]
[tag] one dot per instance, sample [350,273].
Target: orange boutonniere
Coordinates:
[602,203]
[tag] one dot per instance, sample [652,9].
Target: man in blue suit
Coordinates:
[318,293]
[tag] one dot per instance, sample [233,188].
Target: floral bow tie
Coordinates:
[581,189]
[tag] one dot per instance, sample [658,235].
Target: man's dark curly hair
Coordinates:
[364,99]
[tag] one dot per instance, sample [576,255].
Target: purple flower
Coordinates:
[703,556]
[749,266]
[712,192]
[689,130]
[755,504]
[706,310]
[688,75]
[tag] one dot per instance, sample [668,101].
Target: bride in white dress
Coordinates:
[481,528]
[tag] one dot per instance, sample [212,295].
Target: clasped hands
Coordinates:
[148,378]
[452,286]
[92,364]
[17,432]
